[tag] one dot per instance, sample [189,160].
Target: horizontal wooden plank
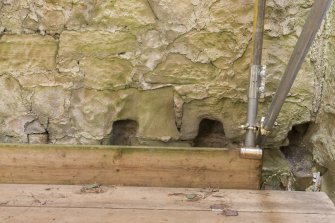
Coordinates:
[132,166]
[58,196]
[93,215]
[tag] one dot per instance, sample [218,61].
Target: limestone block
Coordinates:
[50,102]
[105,73]
[207,46]
[38,138]
[176,15]
[13,113]
[177,69]
[34,127]
[49,79]
[328,184]
[53,21]
[233,16]
[10,97]
[227,111]
[12,15]
[156,116]
[284,17]
[74,46]
[276,171]
[93,112]
[27,53]
[323,138]
[119,14]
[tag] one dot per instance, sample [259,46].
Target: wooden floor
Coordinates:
[78,204]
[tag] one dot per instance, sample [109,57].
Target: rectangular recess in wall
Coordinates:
[128,166]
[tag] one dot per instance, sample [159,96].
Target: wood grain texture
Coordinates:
[156,198]
[77,215]
[64,203]
[130,166]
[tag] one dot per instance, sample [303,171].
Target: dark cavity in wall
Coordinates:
[38,138]
[300,155]
[124,132]
[210,134]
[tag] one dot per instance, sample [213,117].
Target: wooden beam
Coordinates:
[131,166]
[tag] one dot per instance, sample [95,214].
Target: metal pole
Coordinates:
[253,95]
[301,49]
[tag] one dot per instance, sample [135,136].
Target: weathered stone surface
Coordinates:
[177,69]
[13,113]
[208,46]
[101,44]
[276,170]
[48,79]
[50,102]
[93,112]
[53,21]
[27,53]
[38,138]
[328,184]
[34,127]
[118,14]
[224,110]
[105,73]
[176,15]
[12,15]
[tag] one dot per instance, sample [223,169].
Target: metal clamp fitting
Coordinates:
[251,153]
[248,127]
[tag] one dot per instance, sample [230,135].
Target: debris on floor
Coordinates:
[223,209]
[93,188]
[230,212]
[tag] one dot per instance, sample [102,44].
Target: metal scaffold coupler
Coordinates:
[251,153]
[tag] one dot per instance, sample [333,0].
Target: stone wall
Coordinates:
[69,69]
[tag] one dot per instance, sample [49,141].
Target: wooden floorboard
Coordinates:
[129,166]
[77,204]
[164,198]
[78,215]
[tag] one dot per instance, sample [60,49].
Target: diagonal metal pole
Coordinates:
[301,49]
[253,95]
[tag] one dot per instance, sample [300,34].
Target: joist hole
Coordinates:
[124,132]
[210,134]
[300,155]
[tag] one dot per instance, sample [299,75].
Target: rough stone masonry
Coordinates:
[153,71]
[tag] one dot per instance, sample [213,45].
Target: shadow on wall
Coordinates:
[124,132]
[210,134]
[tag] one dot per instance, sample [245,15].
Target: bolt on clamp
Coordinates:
[262,75]
[248,127]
